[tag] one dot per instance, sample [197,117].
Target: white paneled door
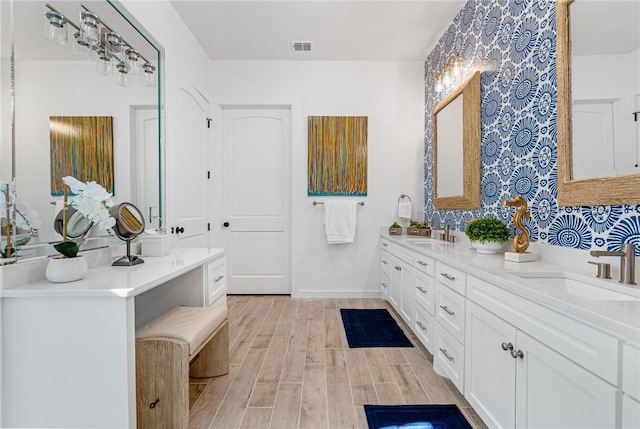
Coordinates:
[190,168]
[257,199]
[145,192]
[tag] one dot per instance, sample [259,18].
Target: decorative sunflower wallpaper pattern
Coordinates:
[514,41]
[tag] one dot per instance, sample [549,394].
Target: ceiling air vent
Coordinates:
[301,46]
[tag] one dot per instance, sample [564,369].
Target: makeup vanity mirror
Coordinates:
[456,147]
[598,44]
[74,80]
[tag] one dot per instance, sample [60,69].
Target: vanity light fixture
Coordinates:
[94,36]
[450,77]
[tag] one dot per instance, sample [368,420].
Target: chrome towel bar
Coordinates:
[315,203]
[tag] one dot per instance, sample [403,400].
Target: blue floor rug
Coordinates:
[372,328]
[415,417]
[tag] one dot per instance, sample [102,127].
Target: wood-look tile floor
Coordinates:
[291,367]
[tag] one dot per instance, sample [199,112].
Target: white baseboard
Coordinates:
[335,294]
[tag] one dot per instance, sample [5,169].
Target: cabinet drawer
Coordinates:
[449,358]
[398,251]
[423,328]
[451,277]
[385,262]
[384,286]
[216,281]
[450,311]
[425,264]
[631,371]
[592,349]
[425,292]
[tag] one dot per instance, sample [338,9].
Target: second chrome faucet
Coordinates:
[627,254]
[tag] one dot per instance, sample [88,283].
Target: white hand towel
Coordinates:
[340,221]
[404,209]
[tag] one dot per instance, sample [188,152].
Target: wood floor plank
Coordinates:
[205,408]
[329,304]
[285,323]
[293,369]
[432,383]
[256,418]
[378,365]
[316,309]
[457,396]
[332,329]
[232,409]
[313,412]
[246,314]
[409,385]
[339,398]
[473,418]
[362,388]
[287,408]
[195,390]
[361,417]
[315,342]
[302,312]
[264,392]
[394,356]
[389,394]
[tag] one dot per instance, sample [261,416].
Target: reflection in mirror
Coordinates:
[457,147]
[64,80]
[598,93]
[78,225]
[129,224]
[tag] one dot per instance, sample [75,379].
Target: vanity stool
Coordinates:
[183,342]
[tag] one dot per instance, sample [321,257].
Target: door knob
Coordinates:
[226,224]
[179,230]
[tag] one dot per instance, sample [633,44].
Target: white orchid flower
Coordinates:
[92,201]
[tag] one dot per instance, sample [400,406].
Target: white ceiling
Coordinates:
[339,29]
[605,27]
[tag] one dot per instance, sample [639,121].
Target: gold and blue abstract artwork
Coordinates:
[337,157]
[82,147]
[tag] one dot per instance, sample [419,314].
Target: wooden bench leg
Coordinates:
[162,384]
[213,359]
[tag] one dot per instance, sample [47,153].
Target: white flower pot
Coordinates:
[486,247]
[62,270]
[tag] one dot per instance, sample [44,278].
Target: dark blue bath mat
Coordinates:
[372,328]
[415,417]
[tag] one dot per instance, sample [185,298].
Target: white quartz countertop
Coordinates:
[122,282]
[617,317]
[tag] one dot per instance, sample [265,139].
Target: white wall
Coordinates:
[391,95]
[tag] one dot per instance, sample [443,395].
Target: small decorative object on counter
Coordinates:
[395,229]
[419,228]
[520,241]
[487,235]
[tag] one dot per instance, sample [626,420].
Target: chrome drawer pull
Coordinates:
[217,279]
[517,354]
[398,268]
[421,290]
[384,284]
[384,262]
[422,263]
[421,325]
[446,309]
[444,352]
[447,276]
[507,346]
[385,244]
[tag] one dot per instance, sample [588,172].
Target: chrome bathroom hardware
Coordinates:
[447,276]
[421,289]
[444,352]
[604,270]
[446,310]
[315,203]
[627,254]
[404,196]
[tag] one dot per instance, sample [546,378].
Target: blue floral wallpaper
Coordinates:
[514,43]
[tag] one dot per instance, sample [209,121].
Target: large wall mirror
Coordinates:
[456,147]
[598,102]
[69,80]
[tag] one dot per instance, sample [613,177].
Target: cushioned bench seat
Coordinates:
[183,342]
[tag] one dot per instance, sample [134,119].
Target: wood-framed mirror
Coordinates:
[456,147]
[598,159]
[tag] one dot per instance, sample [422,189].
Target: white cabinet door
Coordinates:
[395,282]
[490,373]
[407,298]
[554,392]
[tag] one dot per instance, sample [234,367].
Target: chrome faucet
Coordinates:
[627,254]
[446,234]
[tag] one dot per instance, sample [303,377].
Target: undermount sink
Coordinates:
[583,287]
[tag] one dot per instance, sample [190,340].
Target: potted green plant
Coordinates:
[487,235]
[418,227]
[395,229]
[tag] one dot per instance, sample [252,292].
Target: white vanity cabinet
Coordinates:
[425,299]
[515,380]
[216,283]
[401,277]
[630,387]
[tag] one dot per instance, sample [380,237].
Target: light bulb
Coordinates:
[122,76]
[446,77]
[149,75]
[457,67]
[90,26]
[133,61]
[103,65]
[438,85]
[80,48]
